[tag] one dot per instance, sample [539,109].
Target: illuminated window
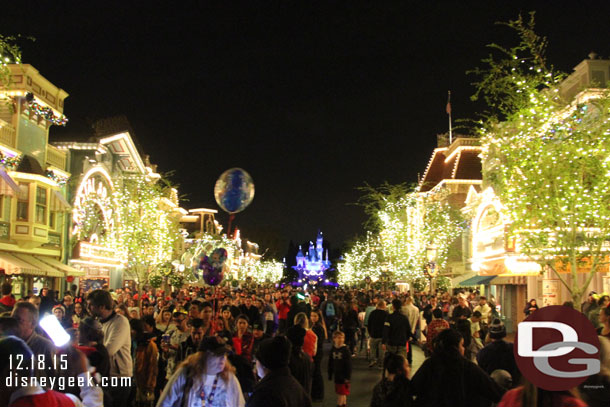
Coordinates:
[41,205]
[23,201]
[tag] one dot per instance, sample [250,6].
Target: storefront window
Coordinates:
[23,201]
[41,205]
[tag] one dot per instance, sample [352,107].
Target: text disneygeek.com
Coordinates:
[61,383]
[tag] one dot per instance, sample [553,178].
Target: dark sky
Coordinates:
[311,98]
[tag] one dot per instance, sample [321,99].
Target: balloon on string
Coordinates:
[234,190]
[213,275]
[218,257]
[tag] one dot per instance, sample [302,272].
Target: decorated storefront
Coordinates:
[507,275]
[121,217]
[94,231]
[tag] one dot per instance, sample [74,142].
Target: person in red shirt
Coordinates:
[243,341]
[7,302]
[283,307]
[435,326]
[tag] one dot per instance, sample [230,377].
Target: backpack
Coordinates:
[330,309]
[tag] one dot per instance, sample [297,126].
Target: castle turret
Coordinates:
[319,249]
[300,258]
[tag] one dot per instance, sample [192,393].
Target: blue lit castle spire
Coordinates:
[312,265]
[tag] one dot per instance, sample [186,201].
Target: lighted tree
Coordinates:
[404,224]
[364,259]
[548,160]
[9,54]
[148,234]
[265,271]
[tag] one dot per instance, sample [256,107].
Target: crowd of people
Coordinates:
[265,345]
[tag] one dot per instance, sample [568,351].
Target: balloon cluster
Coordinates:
[213,267]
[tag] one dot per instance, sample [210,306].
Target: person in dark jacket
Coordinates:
[349,321]
[300,365]
[530,307]
[317,383]
[396,331]
[463,383]
[499,353]
[248,309]
[375,327]
[277,387]
[190,345]
[340,366]
[392,390]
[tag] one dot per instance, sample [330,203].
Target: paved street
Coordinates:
[363,379]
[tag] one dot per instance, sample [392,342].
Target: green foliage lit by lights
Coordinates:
[405,225]
[148,234]
[548,160]
[9,54]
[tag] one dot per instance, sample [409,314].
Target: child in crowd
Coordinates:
[340,365]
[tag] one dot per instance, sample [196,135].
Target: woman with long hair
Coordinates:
[310,345]
[319,328]
[204,378]
[604,320]
[80,313]
[228,319]
[530,307]
[463,383]
[164,320]
[243,341]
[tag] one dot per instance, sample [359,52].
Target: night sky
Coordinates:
[311,98]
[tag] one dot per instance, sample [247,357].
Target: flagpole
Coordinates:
[449,113]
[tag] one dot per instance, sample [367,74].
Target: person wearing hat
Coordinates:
[15,393]
[586,306]
[259,335]
[205,378]
[499,353]
[60,313]
[277,387]
[301,364]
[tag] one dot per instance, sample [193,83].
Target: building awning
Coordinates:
[476,280]
[14,265]
[7,185]
[70,271]
[58,202]
[509,280]
[48,270]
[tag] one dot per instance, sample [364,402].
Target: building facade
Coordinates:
[100,167]
[33,185]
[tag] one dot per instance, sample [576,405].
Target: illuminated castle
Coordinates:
[312,265]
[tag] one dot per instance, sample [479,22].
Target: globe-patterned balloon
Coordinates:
[234,190]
